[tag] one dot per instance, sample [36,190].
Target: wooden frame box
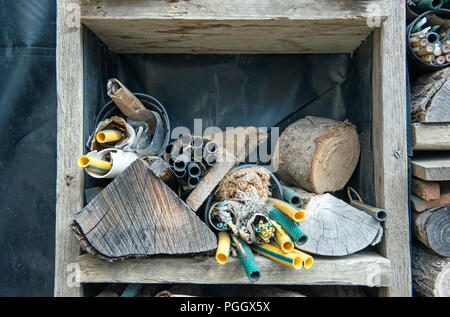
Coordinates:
[245,26]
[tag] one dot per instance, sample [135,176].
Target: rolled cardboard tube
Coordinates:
[124,99]
[375,212]
[110,135]
[132,290]
[272,251]
[291,196]
[94,165]
[248,262]
[307,260]
[223,247]
[292,212]
[284,242]
[289,226]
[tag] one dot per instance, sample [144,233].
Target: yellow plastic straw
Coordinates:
[107,136]
[94,165]
[295,214]
[223,248]
[307,260]
[272,251]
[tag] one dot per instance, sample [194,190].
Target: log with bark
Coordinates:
[318,154]
[432,228]
[430,94]
[430,272]
[138,215]
[334,228]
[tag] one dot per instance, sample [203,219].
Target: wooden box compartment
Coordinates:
[92,33]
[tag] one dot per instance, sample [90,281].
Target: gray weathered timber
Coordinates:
[432,168]
[334,228]
[69,181]
[432,228]
[430,95]
[430,272]
[424,189]
[420,205]
[138,215]
[234,26]
[390,144]
[431,136]
[364,268]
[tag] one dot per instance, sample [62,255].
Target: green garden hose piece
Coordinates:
[292,197]
[131,290]
[290,227]
[425,5]
[250,266]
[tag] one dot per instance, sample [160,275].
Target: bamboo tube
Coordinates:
[107,136]
[307,260]
[94,165]
[288,226]
[273,252]
[440,60]
[421,34]
[249,263]
[447,58]
[223,247]
[429,49]
[428,58]
[419,43]
[437,51]
[295,214]
[445,49]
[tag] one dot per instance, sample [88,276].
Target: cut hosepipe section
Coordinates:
[223,248]
[211,159]
[375,212]
[292,212]
[292,197]
[108,136]
[194,169]
[284,241]
[193,181]
[211,147]
[94,165]
[249,264]
[186,140]
[272,251]
[289,226]
[307,260]
[197,142]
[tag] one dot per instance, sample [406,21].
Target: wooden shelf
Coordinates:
[234,26]
[365,268]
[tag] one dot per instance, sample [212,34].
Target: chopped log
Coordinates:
[318,154]
[215,174]
[432,229]
[425,190]
[138,215]
[431,136]
[430,94]
[432,168]
[334,228]
[430,273]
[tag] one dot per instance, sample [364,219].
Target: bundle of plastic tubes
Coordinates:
[281,248]
[430,42]
[189,158]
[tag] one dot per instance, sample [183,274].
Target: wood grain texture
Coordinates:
[334,228]
[432,228]
[69,182]
[215,174]
[420,205]
[390,144]
[431,136]
[425,190]
[255,26]
[430,94]
[432,168]
[138,215]
[430,272]
[364,268]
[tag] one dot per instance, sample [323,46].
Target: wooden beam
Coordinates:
[234,26]
[425,190]
[420,205]
[429,136]
[432,168]
[390,145]
[69,200]
[364,268]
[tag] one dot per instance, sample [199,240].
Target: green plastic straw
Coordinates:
[291,197]
[290,227]
[250,266]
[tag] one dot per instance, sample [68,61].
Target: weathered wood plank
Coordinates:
[420,205]
[425,190]
[431,136]
[256,26]
[432,168]
[364,268]
[69,70]
[390,145]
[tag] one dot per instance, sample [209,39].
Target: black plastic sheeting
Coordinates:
[27,147]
